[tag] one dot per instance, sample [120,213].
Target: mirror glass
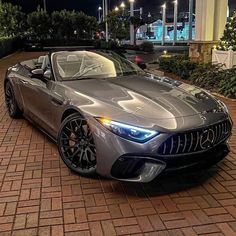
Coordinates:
[48,74]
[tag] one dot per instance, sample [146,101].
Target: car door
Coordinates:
[42,102]
[36,100]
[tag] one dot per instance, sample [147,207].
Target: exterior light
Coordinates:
[165,52]
[131,1]
[164,6]
[116,9]
[99,14]
[122,5]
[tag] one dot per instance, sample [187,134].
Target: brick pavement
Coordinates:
[40,196]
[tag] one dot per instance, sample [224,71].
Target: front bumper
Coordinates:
[130,161]
[136,168]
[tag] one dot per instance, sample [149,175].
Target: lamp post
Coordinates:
[106,23]
[163,23]
[131,25]
[175,20]
[103,10]
[99,14]
[44,6]
[116,9]
[190,20]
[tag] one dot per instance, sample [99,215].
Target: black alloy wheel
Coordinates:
[76,145]
[11,102]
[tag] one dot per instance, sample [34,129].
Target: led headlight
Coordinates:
[130,132]
[223,106]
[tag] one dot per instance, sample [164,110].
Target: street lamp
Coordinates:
[116,9]
[175,20]
[131,25]
[122,5]
[99,14]
[163,23]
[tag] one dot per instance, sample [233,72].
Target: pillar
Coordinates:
[211,17]
[221,12]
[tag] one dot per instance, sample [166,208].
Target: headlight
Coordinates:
[223,106]
[130,132]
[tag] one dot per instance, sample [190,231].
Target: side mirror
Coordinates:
[38,73]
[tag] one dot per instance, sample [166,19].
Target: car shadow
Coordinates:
[167,184]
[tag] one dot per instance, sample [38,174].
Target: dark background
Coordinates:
[90,6]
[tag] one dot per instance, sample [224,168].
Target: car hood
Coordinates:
[147,96]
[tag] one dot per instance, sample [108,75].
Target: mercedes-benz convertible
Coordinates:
[109,117]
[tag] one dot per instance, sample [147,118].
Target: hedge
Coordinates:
[9,45]
[204,75]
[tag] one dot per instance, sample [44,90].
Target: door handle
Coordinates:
[57,101]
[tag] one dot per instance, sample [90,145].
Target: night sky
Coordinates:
[90,6]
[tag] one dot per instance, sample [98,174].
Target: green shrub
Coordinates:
[130,47]
[215,78]
[227,85]
[147,47]
[208,76]
[179,65]
[9,45]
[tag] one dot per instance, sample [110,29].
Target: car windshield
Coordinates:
[90,64]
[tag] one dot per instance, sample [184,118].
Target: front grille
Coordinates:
[196,140]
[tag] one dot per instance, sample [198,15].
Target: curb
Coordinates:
[9,55]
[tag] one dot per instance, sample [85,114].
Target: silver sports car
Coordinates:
[110,117]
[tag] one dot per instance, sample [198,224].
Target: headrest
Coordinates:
[41,59]
[72,58]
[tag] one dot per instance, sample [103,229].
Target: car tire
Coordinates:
[11,103]
[76,145]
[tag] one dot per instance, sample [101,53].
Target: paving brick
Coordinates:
[132,229]
[125,221]
[226,229]
[144,224]
[76,227]
[108,228]
[31,232]
[69,216]
[20,221]
[96,229]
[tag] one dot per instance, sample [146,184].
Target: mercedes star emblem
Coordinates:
[207,139]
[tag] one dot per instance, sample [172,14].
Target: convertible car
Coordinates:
[109,117]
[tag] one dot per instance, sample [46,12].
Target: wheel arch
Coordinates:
[6,80]
[69,112]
